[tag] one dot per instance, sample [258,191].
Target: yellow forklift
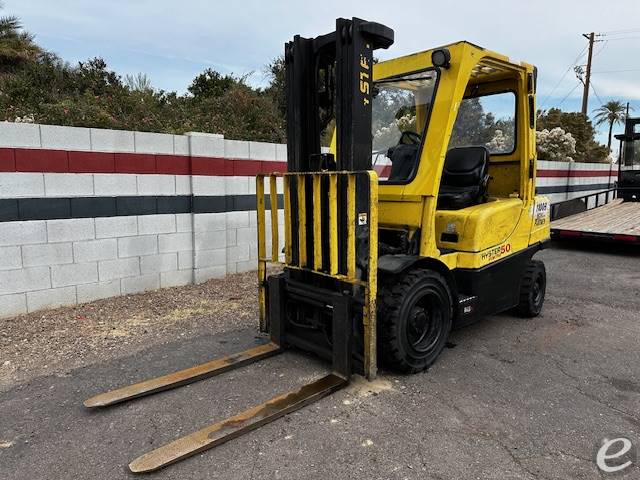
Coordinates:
[422,216]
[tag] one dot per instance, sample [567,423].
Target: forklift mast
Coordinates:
[326,296]
[328,77]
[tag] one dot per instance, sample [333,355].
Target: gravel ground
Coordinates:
[62,339]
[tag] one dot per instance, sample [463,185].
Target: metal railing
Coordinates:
[576,205]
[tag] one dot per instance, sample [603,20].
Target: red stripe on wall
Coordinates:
[61,161]
[7,160]
[273,167]
[92,162]
[246,167]
[268,167]
[45,161]
[135,163]
[34,160]
[172,164]
[228,167]
[577,173]
[383,171]
[209,166]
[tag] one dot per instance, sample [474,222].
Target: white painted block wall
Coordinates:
[80,260]
[45,264]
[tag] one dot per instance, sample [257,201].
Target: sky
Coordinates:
[173,41]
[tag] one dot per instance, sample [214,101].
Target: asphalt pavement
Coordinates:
[509,399]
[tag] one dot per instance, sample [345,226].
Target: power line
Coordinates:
[596,93]
[604,44]
[617,71]
[622,38]
[567,95]
[621,35]
[619,32]
[573,64]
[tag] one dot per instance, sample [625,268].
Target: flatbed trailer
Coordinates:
[604,217]
[611,215]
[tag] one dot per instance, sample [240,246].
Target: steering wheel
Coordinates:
[406,138]
[412,138]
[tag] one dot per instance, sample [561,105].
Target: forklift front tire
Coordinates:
[532,289]
[416,318]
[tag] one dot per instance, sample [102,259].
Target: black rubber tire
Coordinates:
[532,289]
[409,303]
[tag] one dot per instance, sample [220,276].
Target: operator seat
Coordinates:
[404,159]
[464,178]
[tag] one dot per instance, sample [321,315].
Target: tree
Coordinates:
[211,83]
[580,128]
[474,126]
[470,125]
[556,145]
[502,141]
[16,45]
[42,88]
[140,82]
[275,72]
[391,116]
[612,112]
[240,113]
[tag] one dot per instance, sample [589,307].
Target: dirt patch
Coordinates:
[364,388]
[56,341]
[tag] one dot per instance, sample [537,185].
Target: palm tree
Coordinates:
[611,112]
[16,45]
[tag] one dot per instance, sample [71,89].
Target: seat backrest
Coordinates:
[404,159]
[465,166]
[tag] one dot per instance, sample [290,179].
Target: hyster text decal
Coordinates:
[496,252]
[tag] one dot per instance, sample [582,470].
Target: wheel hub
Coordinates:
[418,325]
[423,324]
[537,290]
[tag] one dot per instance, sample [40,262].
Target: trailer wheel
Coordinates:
[532,289]
[416,315]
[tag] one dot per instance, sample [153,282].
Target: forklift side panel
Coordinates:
[496,286]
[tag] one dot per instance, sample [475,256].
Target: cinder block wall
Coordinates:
[562,181]
[90,213]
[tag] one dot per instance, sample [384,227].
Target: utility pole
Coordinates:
[585,94]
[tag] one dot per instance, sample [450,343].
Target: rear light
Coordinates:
[626,238]
[570,233]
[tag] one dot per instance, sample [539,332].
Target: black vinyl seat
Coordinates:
[464,178]
[404,160]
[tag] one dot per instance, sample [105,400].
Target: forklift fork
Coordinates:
[237,425]
[233,427]
[273,313]
[183,377]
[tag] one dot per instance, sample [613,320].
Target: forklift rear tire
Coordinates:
[416,316]
[532,289]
